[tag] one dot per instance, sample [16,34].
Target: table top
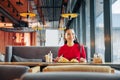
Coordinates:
[52,64]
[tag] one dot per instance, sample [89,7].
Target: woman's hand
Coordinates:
[74,60]
[61,59]
[82,60]
[56,59]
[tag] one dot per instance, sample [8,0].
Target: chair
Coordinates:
[10,72]
[70,76]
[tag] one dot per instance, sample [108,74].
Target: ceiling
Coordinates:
[47,12]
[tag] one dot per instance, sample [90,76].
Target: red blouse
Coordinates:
[71,52]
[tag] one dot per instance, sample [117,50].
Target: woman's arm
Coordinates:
[83,52]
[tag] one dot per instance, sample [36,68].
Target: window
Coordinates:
[99,28]
[116,30]
[88,29]
[52,38]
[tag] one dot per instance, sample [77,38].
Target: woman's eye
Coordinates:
[68,34]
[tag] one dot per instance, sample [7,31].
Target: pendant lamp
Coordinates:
[28,14]
[69,15]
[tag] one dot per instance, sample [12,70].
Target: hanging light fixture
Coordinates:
[69,15]
[62,28]
[28,13]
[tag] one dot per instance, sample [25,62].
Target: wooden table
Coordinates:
[44,64]
[21,63]
[53,64]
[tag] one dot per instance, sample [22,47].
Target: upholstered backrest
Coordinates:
[10,72]
[33,53]
[29,53]
[70,76]
[78,68]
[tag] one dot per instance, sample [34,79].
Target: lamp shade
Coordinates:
[69,15]
[28,14]
[62,28]
[37,28]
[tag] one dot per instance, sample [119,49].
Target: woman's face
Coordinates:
[70,35]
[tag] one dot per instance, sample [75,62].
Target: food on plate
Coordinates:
[63,59]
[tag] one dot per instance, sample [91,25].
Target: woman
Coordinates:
[71,49]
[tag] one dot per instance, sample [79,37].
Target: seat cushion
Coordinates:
[81,68]
[21,59]
[11,72]
[70,76]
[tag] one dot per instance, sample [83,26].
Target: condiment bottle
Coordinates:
[50,56]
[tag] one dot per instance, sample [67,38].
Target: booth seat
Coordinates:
[79,68]
[11,72]
[70,76]
[28,53]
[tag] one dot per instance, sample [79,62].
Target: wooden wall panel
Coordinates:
[9,38]
[6,38]
[2,42]
[33,38]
